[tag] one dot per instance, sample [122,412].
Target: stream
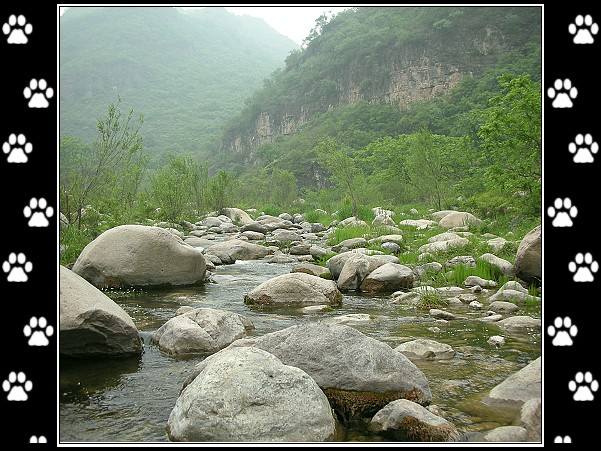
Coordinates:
[130,399]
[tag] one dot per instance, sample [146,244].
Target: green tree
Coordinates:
[221,188]
[436,164]
[512,142]
[108,172]
[336,160]
[174,188]
[283,187]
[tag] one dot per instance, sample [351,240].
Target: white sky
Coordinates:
[295,22]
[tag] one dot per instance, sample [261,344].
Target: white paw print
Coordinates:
[583,392]
[17,148]
[40,439]
[38,211]
[38,330]
[583,154]
[560,439]
[562,218]
[17,29]
[17,386]
[563,330]
[37,92]
[17,266]
[583,273]
[563,92]
[583,35]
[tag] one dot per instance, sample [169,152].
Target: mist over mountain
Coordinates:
[186,71]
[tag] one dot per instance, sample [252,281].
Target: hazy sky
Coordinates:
[295,22]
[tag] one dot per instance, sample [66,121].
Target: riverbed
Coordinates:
[130,399]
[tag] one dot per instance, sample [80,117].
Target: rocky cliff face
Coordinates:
[413,73]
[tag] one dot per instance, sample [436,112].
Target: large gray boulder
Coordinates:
[518,388]
[239,217]
[528,259]
[521,324]
[231,250]
[91,323]
[388,278]
[406,421]
[249,395]
[203,330]
[459,219]
[140,256]
[295,289]
[355,269]
[358,374]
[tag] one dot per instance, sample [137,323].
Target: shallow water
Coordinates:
[130,399]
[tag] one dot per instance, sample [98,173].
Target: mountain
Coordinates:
[371,72]
[186,71]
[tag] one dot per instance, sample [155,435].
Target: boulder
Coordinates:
[249,395]
[442,246]
[459,219]
[505,267]
[231,250]
[423,348]
[505,434]
[388,278]
[91,323]
[442,213]
[528,259]
[237,216]
[140,256]
[355,269]
[405,421]
[297,289]
[520,324]
[418,223]
[358,374]
[315,270]
[518,388]
[202,330]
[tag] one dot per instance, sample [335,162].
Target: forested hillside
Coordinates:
[395,107]
[186,71]
[388,78]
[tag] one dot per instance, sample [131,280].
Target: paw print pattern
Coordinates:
[17,267]
[38,330]
[40,439]
[17,386]
[38,211]
[560,439]
[563,330]
[562,92]
[583,273]
[583,34]
[562,218]
[17,29]
[17,148]
[38,92]
[583,392]
[583,154]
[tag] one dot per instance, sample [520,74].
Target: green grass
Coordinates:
[313,216]
[72,241]
[431,300]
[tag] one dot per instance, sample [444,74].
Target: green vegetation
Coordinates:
[477,148]
[187,71]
